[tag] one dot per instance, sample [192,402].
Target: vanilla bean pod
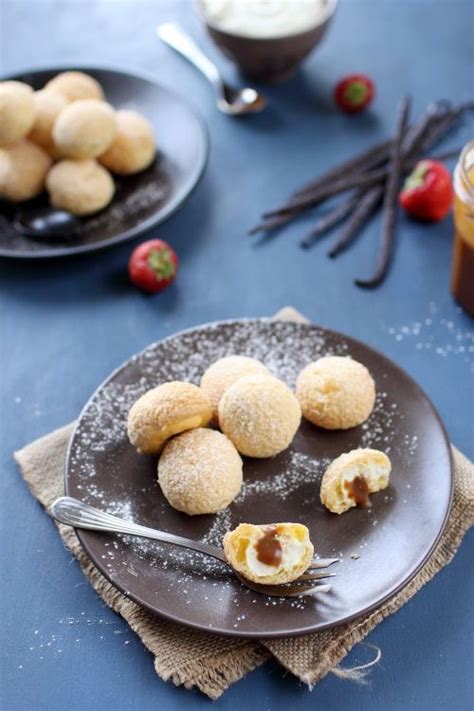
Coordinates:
[390,203]
[366,206]
[330,220]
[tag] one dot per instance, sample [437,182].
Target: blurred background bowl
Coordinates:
[272,59]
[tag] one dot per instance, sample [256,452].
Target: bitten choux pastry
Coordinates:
[75,86]
[17,111]
[48,106]
[85,129]
[23,169]
[200,471]
[273,554]
[260,415]
[165,411]
[223,373]
[80,186]
[350,478]
[133,148]
[336,392]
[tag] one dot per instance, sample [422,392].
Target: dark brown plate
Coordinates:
[392,539]
[141,201]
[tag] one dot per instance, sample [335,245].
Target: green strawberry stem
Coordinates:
[356,93]
[161,262]
[416,179]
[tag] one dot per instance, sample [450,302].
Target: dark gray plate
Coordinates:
[392,539]
[141,201]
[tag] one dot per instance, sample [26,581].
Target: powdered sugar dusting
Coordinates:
[100,444]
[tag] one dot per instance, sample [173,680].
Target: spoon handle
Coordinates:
[75,513]
[176,38]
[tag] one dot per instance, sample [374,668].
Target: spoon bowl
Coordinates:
[231,101]
[46,223]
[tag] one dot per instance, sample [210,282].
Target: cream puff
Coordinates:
[84,129]
[336,392]
[17,111]
[223,373]
[260,415]
[165,411]
[200,471]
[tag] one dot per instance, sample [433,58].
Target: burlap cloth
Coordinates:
[210,662]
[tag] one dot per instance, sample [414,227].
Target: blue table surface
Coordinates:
[66,324]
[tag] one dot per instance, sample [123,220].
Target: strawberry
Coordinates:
[428,191]
[354,93]
[153,265]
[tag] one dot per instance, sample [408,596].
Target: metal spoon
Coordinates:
[46,223]
[229,100]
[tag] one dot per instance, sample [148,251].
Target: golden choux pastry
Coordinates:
[200,471]
[336,392]
[80,186]
[350,478]
[260,415]
[75,86]
[223,373]
[85,129]
[273,554]
[17,111]
[48,106]
[23,169]
[165,411]
[133,148]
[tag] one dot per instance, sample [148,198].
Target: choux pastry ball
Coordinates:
[17,111]
[75,86]
[23,169]
[271,554]
[48,106]
[85,129]
[200,471]
[165,411]
[336,392]
[80,186]
[223,373]
[133,148]
[260,415]
[350,478]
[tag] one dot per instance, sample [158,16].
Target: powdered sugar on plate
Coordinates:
[101,457]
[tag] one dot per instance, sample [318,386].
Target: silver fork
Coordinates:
[75,513]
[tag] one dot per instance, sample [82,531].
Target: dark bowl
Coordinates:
[270,60]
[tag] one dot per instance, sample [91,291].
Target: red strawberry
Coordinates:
[153,265]
[354,93]
[428,191]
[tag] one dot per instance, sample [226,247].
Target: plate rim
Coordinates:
[153,221]
[288,632]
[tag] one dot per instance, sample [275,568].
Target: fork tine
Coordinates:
[308,590]
[316,576]
[322,563]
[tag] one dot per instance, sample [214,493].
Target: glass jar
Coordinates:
[462,280]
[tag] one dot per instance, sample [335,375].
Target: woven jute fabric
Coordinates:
[210,662]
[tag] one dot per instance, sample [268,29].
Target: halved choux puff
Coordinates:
[275,553]
[165,411]
[260,415]
[223,373]
[336,392]
[350,478]
[200,471]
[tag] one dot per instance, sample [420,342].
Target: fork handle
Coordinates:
[75,513]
